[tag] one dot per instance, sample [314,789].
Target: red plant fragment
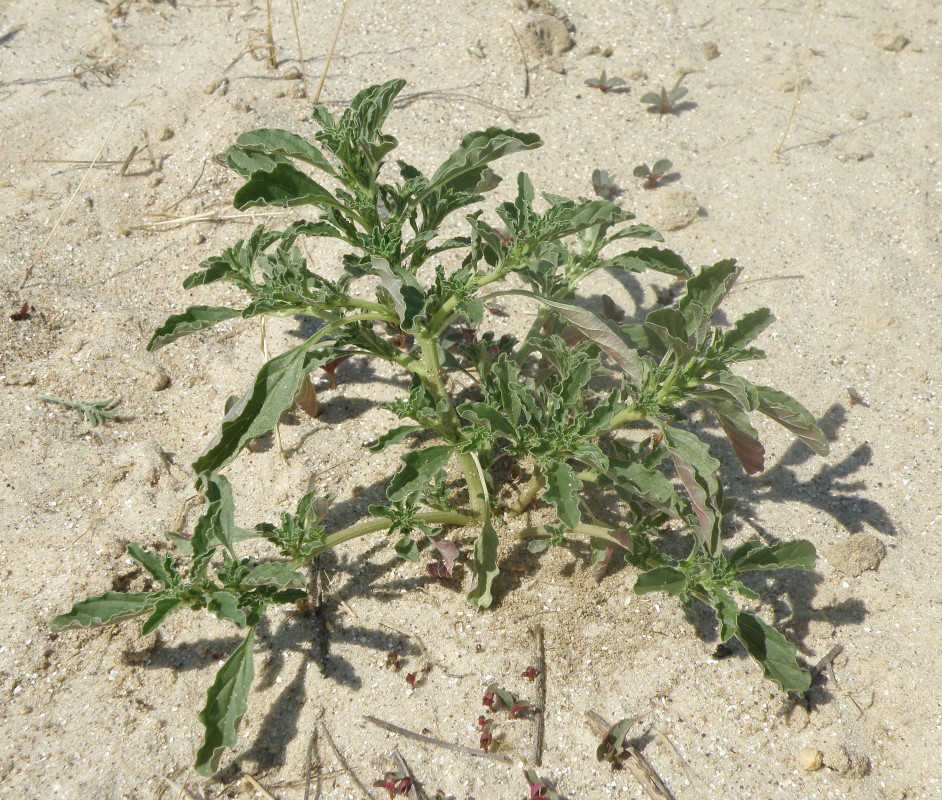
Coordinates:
[24,313]
[530,673]
[410,679]
[331,367]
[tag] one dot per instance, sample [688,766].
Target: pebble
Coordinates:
[858,553]
[890,40]
[709,50]
[165,133]
[292,74]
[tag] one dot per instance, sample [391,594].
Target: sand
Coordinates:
[837,229]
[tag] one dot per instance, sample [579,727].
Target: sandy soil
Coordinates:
[838,235]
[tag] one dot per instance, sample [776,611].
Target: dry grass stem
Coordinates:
[258,786]
[29,270]
[330,53]
[297,36]
[421,737]
[346,767]
[801,75]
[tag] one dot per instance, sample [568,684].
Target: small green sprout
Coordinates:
[605,84]
[604,186]
[653,175]
[666,101]
[96,411]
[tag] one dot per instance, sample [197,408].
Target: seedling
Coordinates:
[605,84]
[394,783]
[497,699]
[665,101]
[538,789]
[96,411]
[653,175]
[612,748]
[604,185]
[582,411]
[486,738]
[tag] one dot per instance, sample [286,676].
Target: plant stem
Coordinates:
[451,424]
[375,524]
[532,488]
[626,417]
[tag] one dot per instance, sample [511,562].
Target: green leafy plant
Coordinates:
[95,411]
[665,101]
[593,408]
[605,84]
[653,175]
[604,185]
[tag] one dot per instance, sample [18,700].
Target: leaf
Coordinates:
[705,291]
[496,421]
[614,740]
[748,327]
[670,327]
[485,565]
[462,168]
[408,548]
[562,488]
[393,436]
[150,561]
[741,390]
[226,704]
[661,579]
[285,186]
[661,260]
[220,513]
[791,414]
[738,429]
[259,409]
[407,296]
[773,651]
[106,609]
[275,573]
[163,609]
[727,613]
[225,605]
[754,555]
[600,330]
[195,318]
[284,143]
[697,470]
[420,466]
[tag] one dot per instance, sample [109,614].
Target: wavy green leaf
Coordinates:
[774,652]
[485,565]
[419,467]
[275,573]
[661,579]
[791,414]
[284,143]
[753,555]
[285,186]
[562,491]
[226,704]
[106,609]
[195,318]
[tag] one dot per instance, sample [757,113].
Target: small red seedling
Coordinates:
[487,734]
[392,659]
[411,679]
[653,175]
[605,84]
[530,673]
[538,789]
[394,783]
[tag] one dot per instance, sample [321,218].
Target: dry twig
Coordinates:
[637,764]
[421,737]
[539,662]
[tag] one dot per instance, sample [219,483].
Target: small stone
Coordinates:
[857,554]
[165,133]
[709,50]
[810,759]
[890,40]
[297,92]
[859,113]
[196,237]
[156,181]
[292,74]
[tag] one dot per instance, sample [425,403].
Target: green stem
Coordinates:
[451,424]
[626,417]
[528,494]
[376,524]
